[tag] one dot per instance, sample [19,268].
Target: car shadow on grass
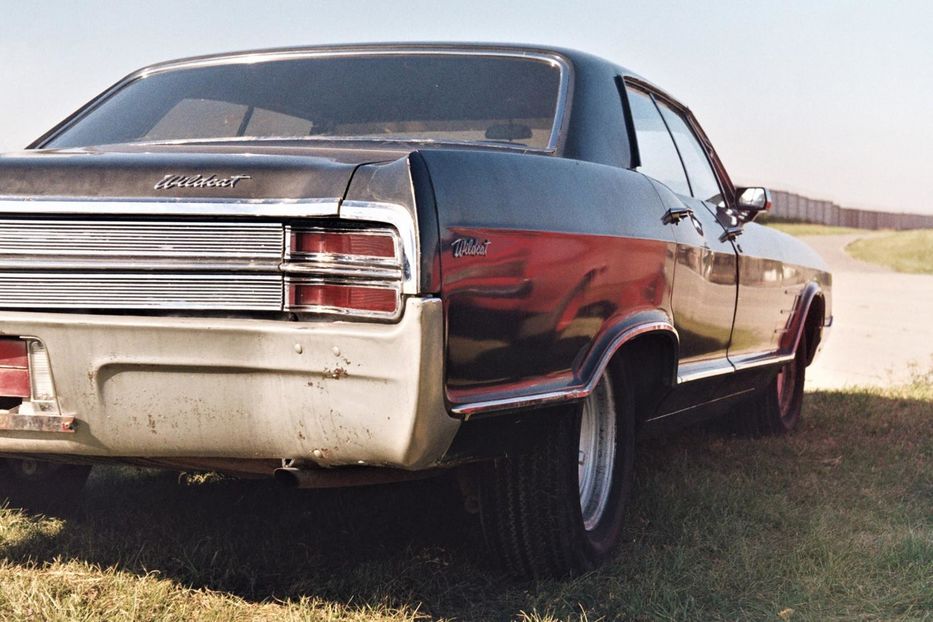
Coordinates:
[711,515]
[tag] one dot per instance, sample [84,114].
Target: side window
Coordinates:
[659,158]
[702,179]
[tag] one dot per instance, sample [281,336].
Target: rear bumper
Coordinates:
[334,393]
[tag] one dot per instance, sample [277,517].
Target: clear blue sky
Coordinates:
[828,98]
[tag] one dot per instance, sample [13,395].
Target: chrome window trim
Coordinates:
[250,58]
[248,208]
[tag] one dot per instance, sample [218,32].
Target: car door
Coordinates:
[705,275]
[763,306]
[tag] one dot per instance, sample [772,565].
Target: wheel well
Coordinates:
[650,362]
[813,326]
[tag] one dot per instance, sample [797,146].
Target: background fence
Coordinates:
[790,206]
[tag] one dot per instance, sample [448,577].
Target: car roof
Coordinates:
[576,57]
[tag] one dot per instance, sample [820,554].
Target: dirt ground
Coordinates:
[883,322]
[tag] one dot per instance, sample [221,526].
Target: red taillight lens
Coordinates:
[346,243]
[330,297]
[14,368]
[352,272]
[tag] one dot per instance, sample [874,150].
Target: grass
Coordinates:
[904,251]
[834,522]
[806,228]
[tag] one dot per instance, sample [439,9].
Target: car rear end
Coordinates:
[236,257]
[198,326]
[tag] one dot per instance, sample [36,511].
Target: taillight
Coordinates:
[344,272]
[349,244]
[342,297]
[14,369]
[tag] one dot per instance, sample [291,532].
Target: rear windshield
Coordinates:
[431,97]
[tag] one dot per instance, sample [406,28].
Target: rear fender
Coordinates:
[586,374]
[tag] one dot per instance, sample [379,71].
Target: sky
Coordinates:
[828,98]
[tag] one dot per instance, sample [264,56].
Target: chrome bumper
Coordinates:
[334,393]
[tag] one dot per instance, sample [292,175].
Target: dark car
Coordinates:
[358,264]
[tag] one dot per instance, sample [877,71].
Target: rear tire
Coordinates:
[43,487]
[556,505]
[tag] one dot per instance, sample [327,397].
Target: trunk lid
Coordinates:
[183,172]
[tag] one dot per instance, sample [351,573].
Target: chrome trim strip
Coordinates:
[157,264]
[346,271]
[563,395]
[402,219]
[694,406]
[250,208]
[250,58]
[701,370]
[759,360]
[728,365]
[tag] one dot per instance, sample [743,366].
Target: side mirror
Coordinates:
[753,201]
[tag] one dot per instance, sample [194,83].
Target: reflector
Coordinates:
[14,368]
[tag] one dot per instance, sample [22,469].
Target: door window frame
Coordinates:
[657,95]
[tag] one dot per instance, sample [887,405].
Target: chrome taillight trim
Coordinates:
[348,270]
[293,255]
[341,311]
[399,217]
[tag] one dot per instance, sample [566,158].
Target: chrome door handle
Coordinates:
[731,233]
[675,214]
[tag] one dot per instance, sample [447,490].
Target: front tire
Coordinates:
[555,505]
[775,410]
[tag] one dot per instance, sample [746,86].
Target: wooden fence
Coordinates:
[790,206]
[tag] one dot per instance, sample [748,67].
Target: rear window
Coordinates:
[442,97]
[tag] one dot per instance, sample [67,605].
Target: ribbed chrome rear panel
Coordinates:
[141,239]
[141,291]
[141,264]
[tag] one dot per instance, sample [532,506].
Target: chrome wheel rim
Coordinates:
[597,453]
[786,380]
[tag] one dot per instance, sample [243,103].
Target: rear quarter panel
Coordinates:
[574,252]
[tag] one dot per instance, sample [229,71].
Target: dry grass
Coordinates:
[832,523]
[904,251]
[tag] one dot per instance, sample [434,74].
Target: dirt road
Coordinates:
[883,327]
